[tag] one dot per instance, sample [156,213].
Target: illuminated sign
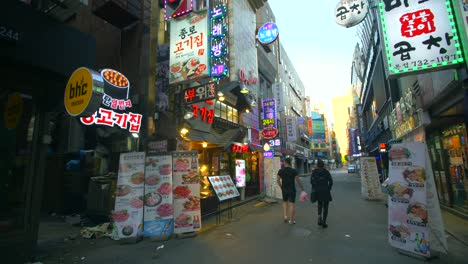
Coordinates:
[268,33]
[219,43]
[268,122]
[268,154]
[240,148]
[205,112]
[349,13]
[240,173]
[247,80]
[277,142]
[269,110]
[200,93]
[383,147]
[188,48]
[269,132]
[419,36]
[177,8]
[81,86]
[115,97]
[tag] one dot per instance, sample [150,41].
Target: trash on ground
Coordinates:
[96,231]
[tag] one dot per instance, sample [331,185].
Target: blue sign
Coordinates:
[268,33]
[268,154]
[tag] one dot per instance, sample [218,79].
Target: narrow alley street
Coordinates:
[356,234]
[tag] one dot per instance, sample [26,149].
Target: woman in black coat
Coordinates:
[322,183]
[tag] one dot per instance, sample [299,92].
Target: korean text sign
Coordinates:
[349,13]
[199,93]
[418,35]
[189,48]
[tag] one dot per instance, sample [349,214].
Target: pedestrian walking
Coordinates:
[322,183]
[285,180]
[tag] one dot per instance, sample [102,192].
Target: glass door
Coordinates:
[16,131]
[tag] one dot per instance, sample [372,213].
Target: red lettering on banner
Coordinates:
[135,122]
[105,118]
[417,23]
[87,120]
[121,120]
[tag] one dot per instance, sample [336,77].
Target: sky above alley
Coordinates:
[319,48]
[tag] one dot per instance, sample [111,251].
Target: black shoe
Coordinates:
[324,225]
[319,222]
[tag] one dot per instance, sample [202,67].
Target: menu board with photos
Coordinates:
[159,209]
[186,192]
[224,187]
[407,203]
[128,212]
[370,183]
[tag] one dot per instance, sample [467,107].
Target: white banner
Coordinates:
[291,129]
[189,47]
[408,216]
[159,208]
[128,212]
[272,166]
[186,192]
[370,183]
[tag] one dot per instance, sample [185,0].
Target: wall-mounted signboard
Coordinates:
[268,33]
[349,13]
[419,36]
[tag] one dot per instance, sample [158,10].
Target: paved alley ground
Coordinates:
[356,234]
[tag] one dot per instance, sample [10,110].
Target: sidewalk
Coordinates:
[455,226]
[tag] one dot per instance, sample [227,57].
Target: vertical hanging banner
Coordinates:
[159,209]
[219,42]
[291,128]
[186,192]
[189,48]
[128,210]
[419,36]
[370,183]
[240,173]
[408,219]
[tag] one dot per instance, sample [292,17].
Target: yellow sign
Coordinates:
[13,111]
[79,91]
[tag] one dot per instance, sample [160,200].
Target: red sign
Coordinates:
[269,132]
[110,118]
[206,114]
[240,148]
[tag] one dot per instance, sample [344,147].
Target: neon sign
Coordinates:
[238,148]
[268,33]
[219,42]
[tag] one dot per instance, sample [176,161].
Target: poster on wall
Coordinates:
[128,210]
[186,192]
[272,166]
[408,217]
[158,204]
[370,183]
[189,47]
[422,36]
[240,173]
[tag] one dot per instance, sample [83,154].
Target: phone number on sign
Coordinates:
[420,63]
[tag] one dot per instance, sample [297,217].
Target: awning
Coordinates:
[234,87]
[213,137]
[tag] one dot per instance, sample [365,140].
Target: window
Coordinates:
[226,112]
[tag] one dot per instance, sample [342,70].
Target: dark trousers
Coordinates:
[323,205]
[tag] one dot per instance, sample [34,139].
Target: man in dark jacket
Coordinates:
[322,183]
[285,180]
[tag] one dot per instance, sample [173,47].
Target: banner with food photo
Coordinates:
[186,192]
[407,202]
[370,183]
[189,47]
[128,210]
[159,209]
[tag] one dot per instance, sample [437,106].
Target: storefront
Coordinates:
[448,149]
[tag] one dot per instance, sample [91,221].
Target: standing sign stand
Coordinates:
[414,218]
[225,189]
